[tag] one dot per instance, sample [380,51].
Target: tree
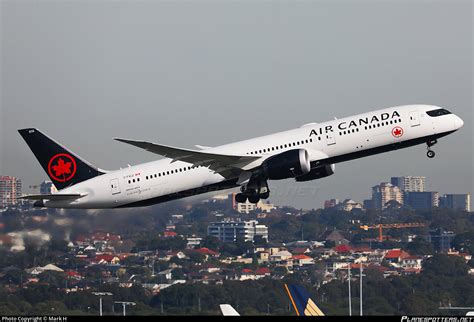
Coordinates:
[464,242]
[196,257]
[444,265]
[211,242]
[260,241]
[420,246]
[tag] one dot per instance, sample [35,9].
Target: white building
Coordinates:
[246,207]
[410,183]
[230,231]
[348,205]
[385,192]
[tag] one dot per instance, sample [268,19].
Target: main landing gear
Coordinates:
[431,154]
[253,191]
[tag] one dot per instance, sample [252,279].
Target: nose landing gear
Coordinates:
[430,154]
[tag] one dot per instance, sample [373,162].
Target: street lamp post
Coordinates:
[361,288]
[124,304]
[100,294]
[349,281]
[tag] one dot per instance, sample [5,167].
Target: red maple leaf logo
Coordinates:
[397,132]
[62,167]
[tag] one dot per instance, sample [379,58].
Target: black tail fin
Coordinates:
[62,166]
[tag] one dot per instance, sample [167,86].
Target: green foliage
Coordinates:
[465,242]
[155,242]
[211,242]
[444,280]
[249,296]
[420,246]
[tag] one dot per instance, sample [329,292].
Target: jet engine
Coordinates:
[288,164]
[317,173]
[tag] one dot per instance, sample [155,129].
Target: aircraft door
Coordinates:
[114,186]
[414,118]
[330,138]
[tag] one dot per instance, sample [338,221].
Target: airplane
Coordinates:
[306,153]
[302,302]
[228,310]
[299,297]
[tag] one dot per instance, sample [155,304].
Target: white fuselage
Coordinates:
[329,142]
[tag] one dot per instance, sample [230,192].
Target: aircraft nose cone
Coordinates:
[458,123]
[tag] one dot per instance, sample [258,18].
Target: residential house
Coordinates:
[302,260]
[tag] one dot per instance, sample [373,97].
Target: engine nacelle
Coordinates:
[317,173]
[288,164]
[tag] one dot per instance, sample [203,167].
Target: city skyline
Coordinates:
[413,189]
[250,72]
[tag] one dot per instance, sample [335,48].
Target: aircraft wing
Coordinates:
[54,197]
[228,310]
[224,164]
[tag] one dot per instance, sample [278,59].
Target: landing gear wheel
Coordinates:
[265,195]
[430,154]
[254,199]
[240,198]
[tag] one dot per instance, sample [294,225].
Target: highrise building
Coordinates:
[230,231]
[456,201]
[385,192]
[410,183]
[421,200]
[47,188]
[10,191]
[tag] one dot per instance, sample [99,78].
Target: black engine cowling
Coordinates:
[317,173]
[288,164]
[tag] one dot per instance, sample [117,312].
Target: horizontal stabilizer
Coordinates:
[54,197]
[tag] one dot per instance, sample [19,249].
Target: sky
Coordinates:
[182,73]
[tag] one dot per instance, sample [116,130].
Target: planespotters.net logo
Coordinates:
[437,319]
[62,167]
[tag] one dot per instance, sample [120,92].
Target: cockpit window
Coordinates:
[438,112]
